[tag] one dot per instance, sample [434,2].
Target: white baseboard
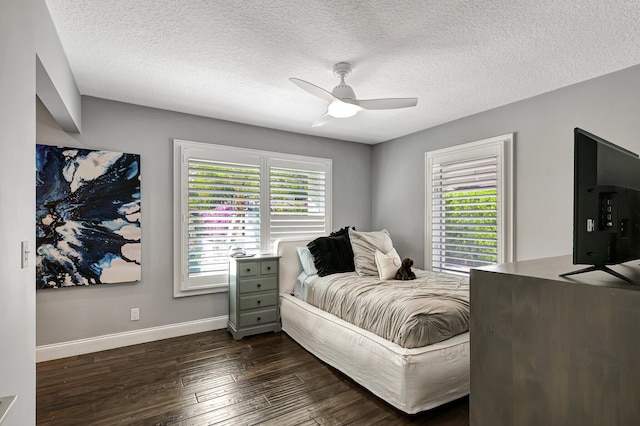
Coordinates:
[117,340]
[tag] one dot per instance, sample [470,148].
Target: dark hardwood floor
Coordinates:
[208,378]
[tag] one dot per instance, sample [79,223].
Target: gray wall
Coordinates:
[77,313]
[374,187]
[607,106]
[17,164]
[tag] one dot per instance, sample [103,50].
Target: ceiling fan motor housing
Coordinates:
[343,90]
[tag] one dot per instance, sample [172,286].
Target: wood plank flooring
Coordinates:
[211,379]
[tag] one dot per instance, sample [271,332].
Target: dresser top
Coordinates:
[551,267]
[263,256]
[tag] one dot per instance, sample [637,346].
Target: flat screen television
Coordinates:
[606,205]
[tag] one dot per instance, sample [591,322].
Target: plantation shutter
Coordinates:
[297,200]
[464,214]
[223,212]
[469,205]
[227,197]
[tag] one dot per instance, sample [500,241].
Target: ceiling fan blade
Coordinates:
[322,120]
[388,103]
[314,90]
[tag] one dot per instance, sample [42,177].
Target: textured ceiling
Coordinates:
[232,59]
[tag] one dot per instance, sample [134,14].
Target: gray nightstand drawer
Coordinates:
[258,301]
[258,317]
[258,284]
[269,267]
[248,269]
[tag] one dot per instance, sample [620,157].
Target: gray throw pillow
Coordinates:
[364,246]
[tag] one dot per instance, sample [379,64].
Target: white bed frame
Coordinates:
[411,380]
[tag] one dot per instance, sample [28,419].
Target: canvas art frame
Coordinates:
[88,211]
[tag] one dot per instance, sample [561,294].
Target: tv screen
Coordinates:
[606,204]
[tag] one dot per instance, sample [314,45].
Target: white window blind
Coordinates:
[224,212]
[469,206]
[465,214]
[228,197]
[297,203]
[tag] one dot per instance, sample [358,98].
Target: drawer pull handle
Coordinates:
[259,285]
[258,318]
[258,302]
[248,269]
[268,268]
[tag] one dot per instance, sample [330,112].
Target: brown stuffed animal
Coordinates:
[404,272]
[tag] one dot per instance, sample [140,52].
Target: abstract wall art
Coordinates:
[87,217]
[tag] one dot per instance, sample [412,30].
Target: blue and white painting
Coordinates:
[87,217]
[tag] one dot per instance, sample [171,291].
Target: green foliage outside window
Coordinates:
[471,226]
[290,192]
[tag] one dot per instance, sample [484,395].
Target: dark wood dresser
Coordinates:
[547,350]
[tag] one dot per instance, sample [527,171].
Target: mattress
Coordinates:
[432,308]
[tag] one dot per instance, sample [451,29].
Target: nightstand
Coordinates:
[253,295]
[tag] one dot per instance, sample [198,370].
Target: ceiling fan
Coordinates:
[342,100]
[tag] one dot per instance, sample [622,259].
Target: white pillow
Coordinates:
[306,260]
[364,246]
[387,264]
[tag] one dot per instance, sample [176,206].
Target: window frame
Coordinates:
[502,147]
[182,151]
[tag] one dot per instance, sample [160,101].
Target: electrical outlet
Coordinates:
[135,314]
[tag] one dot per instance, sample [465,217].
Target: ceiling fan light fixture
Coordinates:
[340,109]
[342,101]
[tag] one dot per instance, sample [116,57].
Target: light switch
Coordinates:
[25,254]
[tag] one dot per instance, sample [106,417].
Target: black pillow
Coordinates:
[332,254]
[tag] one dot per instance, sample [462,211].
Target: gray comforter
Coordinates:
[416,313]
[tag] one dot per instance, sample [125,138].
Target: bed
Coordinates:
[410,379]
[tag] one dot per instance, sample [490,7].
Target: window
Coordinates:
[229,197]
[298,201]
[469,205]
[224,212]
